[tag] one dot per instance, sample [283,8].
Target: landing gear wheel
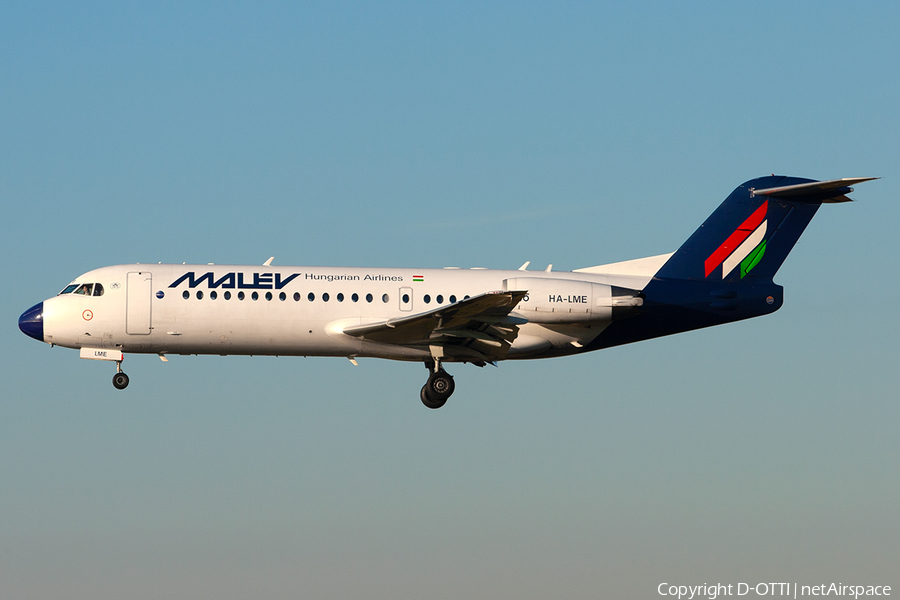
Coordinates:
[428,400]
[120,381]
[440,384]
[439,387]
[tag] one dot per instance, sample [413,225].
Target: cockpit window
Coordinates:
[83,289]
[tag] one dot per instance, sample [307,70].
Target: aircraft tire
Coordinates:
[428,401]
[120,381]
[437,389]
[440,384]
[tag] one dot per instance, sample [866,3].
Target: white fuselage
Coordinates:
[302,311]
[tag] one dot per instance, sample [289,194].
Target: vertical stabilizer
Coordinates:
[723,272]
[753,230]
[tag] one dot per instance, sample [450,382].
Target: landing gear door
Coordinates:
[138,291]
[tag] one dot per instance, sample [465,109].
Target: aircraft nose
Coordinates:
[32,322]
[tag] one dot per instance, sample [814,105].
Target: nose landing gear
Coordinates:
[120,379]
[438,388]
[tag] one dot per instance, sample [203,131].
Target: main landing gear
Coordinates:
[120,379]
[438,388]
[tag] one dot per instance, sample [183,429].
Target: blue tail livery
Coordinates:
[724,271]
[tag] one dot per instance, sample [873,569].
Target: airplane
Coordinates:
[722,273]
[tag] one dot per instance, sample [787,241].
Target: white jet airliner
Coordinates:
[722,273]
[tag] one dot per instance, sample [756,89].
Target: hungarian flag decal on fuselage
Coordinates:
[744,247]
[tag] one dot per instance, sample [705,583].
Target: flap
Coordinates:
[478,328]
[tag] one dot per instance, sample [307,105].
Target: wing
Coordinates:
[478,329]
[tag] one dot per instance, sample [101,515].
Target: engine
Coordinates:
[569,301]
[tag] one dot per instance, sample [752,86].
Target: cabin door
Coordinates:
[138,291]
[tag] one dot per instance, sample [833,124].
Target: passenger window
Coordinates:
[199,295]
[426,299]
[296,296]
[452,299]
[269,296]
[355,297]
[69,289]
[255,295]
[369,297]
[340,297]
[228,295]
[325,297]
[98,289]
[385,298]
[185,294]
[240,295]
[439,299]
[213,295]
[282,296]
[311,297]
[405,298]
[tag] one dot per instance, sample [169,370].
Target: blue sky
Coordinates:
[472,134]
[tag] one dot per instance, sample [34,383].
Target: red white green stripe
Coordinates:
[754,242]
[744,247]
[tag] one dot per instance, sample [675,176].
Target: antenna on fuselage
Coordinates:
[268,263]
[525,266]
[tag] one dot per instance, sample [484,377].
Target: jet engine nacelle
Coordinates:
[556,300]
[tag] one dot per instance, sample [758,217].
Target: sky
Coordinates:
[428,135]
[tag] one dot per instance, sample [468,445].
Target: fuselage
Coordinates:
[302,311]
[720,274]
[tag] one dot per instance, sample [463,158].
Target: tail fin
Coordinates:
[754,229]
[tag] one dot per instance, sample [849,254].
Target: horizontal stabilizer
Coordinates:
[814,192]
